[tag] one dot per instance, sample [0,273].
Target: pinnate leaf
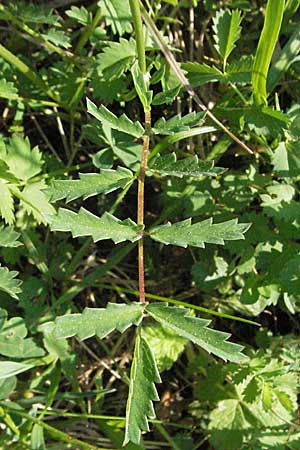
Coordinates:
[142,392]
[227,31]
[185,233]
[9,237]
[9,283]
[122,123]
[98,321]
[197,331]
[87,224]
[188,167]
[90,184]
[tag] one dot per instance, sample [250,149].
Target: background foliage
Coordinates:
[59,393]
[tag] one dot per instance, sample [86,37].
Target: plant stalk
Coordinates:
[140,47]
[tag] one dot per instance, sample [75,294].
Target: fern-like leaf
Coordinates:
[122,123]
[8,90]
[87,224]
[90,184]
[117,15]
[185,233]
[197,331]
[142,392]
[188,167]
[98,321]
[227,31]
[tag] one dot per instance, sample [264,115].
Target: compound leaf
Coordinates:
[98,321]
[9,237]
[122,123]
[142,392]
[85,223]
[188,167]
[90,184]
[197,331]
[227,31]
[185,233]
[9,283]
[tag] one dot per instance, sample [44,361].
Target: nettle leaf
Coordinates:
[140,83]
[9,283]
[177,123]
[185,233]
[187,167]
[6,203]
[9,237]
[116,58]
[90,184]
[142,392]
[196,330]
[8,90]
[23,162]
[117,15]
[98,321]
[82,15]
[122,123]
[87,224]
[227,31]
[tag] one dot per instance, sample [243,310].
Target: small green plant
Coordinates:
[122,153]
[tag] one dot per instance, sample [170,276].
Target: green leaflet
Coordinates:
[9,283]
[98,321]
[90,184]
[185,233]
[140,84]
[85,223]
[121,123]
[23,162]
[165,344]
[177,123]
[195,329]
[116,58]
[117,15]
[8,90]
[227,31]
[6,203]
[82,15]
[188,167]
[9,237]
[142,392]
[265,48]
[10,368]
